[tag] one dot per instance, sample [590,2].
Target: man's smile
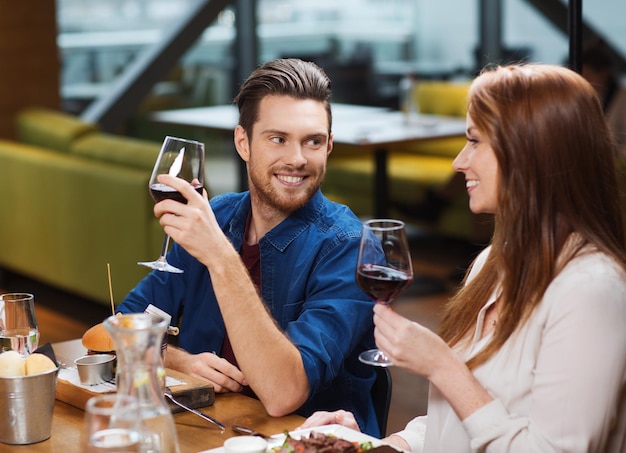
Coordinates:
[290,179]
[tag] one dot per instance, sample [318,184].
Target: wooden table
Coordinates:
[361,128]
[194,433]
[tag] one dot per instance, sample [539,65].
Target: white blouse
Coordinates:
[559,383]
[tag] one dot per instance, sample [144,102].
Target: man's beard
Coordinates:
[269,196]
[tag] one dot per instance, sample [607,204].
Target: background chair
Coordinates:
[381,396]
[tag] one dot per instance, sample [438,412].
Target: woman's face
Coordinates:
[477,161]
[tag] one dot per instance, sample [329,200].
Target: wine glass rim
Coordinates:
[106,404]
[384,224]
[186,140]
[16,297]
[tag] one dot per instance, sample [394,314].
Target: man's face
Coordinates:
[286,152]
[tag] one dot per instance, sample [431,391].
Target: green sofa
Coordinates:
[74,199]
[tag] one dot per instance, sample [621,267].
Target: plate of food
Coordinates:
[328,438]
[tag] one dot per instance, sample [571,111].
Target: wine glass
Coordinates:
[18,323]
[112,423]
[184,159]
[384,269]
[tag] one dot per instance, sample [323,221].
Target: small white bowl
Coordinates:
[245,444]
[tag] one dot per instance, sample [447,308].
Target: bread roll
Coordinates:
[38,363]
[97,339]
[12,364]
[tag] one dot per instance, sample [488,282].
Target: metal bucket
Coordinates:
[26,406]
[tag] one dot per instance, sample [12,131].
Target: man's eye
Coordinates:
[277,140]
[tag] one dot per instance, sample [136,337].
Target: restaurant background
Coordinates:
[373,41]
[67,54]
[97,38]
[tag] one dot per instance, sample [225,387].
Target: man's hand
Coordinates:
[193,225]
[224,376]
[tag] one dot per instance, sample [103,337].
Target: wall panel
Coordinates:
[29,61]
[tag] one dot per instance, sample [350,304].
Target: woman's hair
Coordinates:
[282,77]
[558,176]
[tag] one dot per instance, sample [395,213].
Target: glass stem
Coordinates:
[166,244]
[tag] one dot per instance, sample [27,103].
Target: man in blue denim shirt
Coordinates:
[269,274]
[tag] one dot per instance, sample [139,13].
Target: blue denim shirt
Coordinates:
[308,284]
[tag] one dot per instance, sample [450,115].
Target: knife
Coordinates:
[168,393]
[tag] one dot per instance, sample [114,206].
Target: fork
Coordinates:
[248,431]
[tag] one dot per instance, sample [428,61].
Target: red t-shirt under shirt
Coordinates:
[251,256]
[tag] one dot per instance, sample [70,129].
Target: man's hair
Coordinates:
[282,77]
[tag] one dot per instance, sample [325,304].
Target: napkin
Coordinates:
[70,374]
[47,350]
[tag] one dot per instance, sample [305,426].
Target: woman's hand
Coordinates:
[408,344]
[339,417]
[419,350]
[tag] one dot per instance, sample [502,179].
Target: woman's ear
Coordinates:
[242,144]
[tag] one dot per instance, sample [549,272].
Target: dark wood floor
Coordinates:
[438,264]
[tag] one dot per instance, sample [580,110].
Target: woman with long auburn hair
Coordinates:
[531,351]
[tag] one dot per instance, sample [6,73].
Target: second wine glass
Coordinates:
[384,269]
[184,159]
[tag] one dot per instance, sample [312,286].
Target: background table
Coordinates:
[360,128]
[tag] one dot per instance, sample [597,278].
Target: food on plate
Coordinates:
[97,340]
[12,364]
[321,443]
[38,363]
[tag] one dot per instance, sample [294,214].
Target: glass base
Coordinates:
[161,265]
[375,357]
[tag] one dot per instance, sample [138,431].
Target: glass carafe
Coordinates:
[140,373]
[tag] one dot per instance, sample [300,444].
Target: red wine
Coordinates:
[382,283]
[160,192]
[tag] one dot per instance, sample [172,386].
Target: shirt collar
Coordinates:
[282,234]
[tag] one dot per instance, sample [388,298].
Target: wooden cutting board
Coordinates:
[194,393]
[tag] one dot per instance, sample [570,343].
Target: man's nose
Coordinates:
[296,157]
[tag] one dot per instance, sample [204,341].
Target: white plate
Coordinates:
[336,430]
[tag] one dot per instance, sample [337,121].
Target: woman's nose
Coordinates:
[460,161]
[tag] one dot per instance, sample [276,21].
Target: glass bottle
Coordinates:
[140,373]
[408,98]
